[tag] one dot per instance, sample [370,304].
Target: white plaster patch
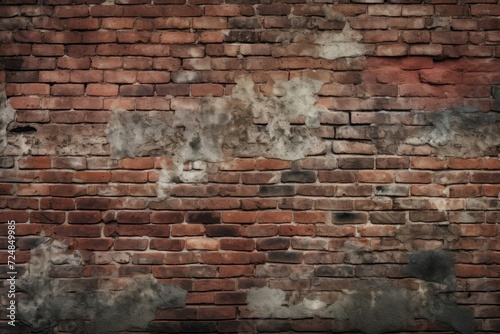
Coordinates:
[246,124]
[7,115]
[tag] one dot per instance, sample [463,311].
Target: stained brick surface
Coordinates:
[387,177]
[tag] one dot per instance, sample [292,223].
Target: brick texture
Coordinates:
[388,178]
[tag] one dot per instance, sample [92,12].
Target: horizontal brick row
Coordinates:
[475,215]
[255,166]
[236,8]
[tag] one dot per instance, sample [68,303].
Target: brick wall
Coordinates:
[247,166]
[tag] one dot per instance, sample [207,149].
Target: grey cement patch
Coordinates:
[247,124]
[330,44]
[433,266]
[376,308]
[7,116]
[461,133]
[410,233]
[448,133]
[47,301]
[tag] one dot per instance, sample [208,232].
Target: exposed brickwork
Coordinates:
[398,153]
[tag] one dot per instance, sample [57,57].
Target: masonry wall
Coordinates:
[246,166]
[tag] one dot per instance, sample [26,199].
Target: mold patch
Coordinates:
[47,301]
[374,307]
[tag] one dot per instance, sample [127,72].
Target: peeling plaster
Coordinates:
[7,116]
[332,44]
[46,301]
[246,124]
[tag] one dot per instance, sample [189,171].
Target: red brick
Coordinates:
[426,49]
[491,190]
[71,11]
[222,10]
[209,23]
[167,217]
[296,230]
[187,51]
[238,165]
[78,230]
[130,244]
[260,230]
[188,230]
[137,90]
[237,244]
[84,217]
[391,50]
[92,203]
[100,244]
[428,163]
[147,258]
[35,163]
[47,217]
[218,203]
[466,191]
[428,190]
[485,177]
[216,313]
[274,217]
[17,216]
[369,23]
[128,176]
[153,77]
[207,90]
[67,89]
[413,177]
[202,244]
[8,189]
[466,270]
[133,217]
[223,230]
[82,24]
[177,38]
[337,176]
[259,178]
[137,163]
[238,217]
[102,90]
[461,163]
[92,177]
[272,164]
[375,176]
[167,244]
[172,23]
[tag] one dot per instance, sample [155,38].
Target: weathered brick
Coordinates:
[244,23]
[278,190]
[284,257]
[273,243]
[204,217]
[335,271]
[298,177]
[349,217]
